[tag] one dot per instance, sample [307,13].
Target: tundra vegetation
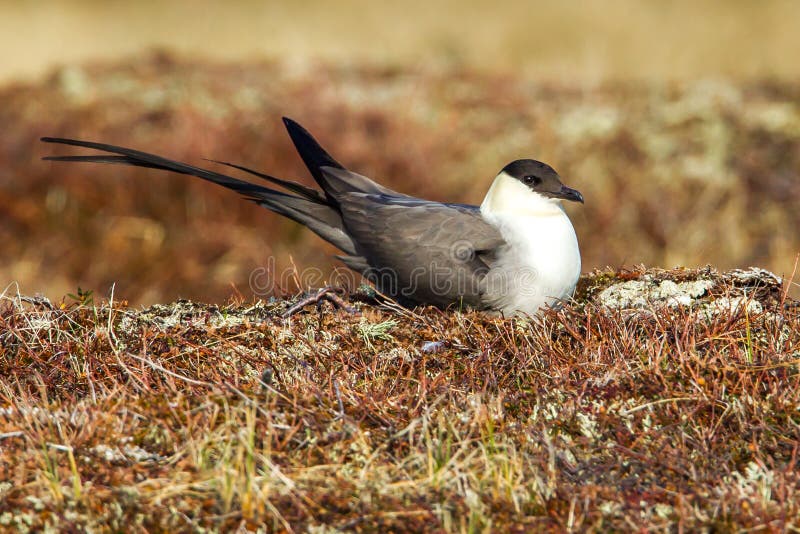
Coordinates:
[656,399]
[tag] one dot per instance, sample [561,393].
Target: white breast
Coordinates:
[542,262]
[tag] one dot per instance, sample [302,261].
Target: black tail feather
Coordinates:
[310,208]
[314,156]
[294,187]
[128,156]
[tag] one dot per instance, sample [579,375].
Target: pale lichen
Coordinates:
[647,292]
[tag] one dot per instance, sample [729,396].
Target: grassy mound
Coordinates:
[655,399]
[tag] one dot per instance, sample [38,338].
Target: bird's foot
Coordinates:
[325,293]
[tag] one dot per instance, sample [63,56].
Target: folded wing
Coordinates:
[421,252]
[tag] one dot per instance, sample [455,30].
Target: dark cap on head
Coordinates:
[541,178]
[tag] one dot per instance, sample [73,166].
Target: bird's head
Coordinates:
[527,185]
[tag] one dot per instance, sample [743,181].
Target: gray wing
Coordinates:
[420,252]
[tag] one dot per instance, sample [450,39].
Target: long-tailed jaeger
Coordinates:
[515,253]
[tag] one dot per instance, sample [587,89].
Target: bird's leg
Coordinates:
[326,293]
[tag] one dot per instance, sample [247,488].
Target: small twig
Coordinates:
[158,367]
[246,399]
[327,293]
[340,414]
[38,300]
[663,401]
[649,459]
[791,280]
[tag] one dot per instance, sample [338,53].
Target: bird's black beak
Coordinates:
[567,193]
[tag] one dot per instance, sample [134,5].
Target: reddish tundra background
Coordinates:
[685,142]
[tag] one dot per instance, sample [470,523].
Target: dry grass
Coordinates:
[674,174]
[189,417]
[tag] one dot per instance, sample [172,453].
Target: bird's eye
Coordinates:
[531,180]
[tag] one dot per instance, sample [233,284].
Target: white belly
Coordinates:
[540,267]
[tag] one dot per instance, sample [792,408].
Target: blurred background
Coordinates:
[679,121]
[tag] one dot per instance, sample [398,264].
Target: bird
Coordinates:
[515,254]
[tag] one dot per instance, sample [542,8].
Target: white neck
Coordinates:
[542,262]
[509,196]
